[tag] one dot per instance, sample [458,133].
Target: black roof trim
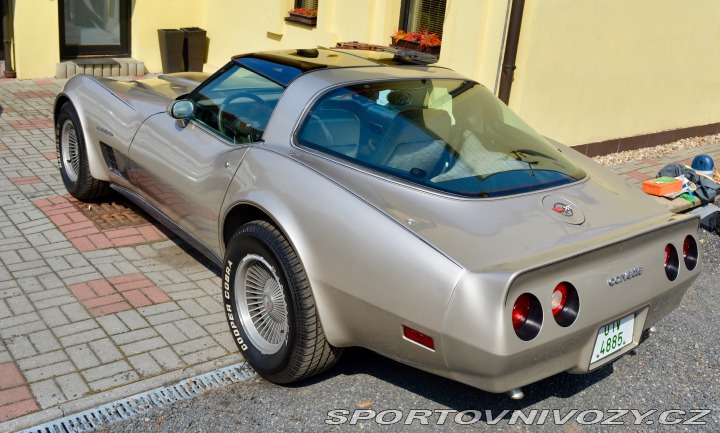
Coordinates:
[284,66]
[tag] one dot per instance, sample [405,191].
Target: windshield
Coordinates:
[449,135]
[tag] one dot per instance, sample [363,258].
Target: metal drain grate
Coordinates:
[113,215]
[120,410]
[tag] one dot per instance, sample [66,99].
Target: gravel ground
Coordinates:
[656,151]
[659,151]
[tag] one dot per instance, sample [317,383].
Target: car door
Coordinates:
[184,167]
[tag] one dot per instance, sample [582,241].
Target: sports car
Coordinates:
[365,198]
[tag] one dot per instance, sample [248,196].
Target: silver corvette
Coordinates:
[357,198]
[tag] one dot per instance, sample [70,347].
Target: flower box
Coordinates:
[302,19]
[415,46]
[422,41]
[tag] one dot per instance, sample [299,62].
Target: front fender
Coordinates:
[104,116]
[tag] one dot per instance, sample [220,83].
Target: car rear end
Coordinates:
[507,328]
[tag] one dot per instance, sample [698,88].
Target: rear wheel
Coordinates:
[72,157]
[270,307]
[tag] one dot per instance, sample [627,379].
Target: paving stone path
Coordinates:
[87,306]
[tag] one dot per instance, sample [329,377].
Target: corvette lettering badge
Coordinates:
[632,273]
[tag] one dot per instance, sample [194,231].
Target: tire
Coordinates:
[284,341]
[72,157]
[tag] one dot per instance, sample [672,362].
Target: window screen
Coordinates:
[424,15]
[307,4]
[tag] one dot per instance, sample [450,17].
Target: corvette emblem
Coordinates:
[563,209]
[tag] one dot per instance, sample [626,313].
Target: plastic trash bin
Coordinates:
[171,50]
[194,50]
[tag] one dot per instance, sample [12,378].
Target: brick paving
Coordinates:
[87,307]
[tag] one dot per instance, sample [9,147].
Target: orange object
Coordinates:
[662,186]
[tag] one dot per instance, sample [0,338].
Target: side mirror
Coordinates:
[180,110]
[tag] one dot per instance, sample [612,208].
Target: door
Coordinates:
[94,28]
[184,171]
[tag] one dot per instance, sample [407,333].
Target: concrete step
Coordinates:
[100,67]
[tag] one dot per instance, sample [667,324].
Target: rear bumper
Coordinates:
[494,372]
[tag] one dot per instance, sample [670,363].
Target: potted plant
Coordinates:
[418,41]
[303,16]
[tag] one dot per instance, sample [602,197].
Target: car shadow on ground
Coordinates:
[455,395]
[115,199]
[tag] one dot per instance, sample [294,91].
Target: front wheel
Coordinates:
[270,307]
[72,157]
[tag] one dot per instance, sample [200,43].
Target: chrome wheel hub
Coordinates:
[261,303]
[70,158]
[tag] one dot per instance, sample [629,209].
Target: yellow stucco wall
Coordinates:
[591,71]
[473,38]
[238,26]
[150,15]
[37,40]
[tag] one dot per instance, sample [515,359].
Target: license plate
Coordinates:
[613,337]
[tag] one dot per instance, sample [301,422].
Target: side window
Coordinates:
[237,104]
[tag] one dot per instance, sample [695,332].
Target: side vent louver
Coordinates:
[109,154]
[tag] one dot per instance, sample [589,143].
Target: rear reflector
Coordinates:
[418,337]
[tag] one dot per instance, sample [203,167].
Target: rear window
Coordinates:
[449,135]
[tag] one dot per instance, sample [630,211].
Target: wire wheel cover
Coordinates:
[69,151]
[262,304]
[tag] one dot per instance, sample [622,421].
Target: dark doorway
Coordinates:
[94,28]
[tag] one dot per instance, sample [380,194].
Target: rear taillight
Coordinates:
[559,297]
[672,262]
[527,316]
[565,304]
[521,310]
[690,252]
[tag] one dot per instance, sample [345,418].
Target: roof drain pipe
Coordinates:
[7,25]
[513,38]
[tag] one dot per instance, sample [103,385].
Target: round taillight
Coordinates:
[527,316]
[521,310]
[565,304]
[672,262]
[690,252]
[559,297]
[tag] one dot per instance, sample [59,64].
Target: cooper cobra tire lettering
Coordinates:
[270,308]
[228,308]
